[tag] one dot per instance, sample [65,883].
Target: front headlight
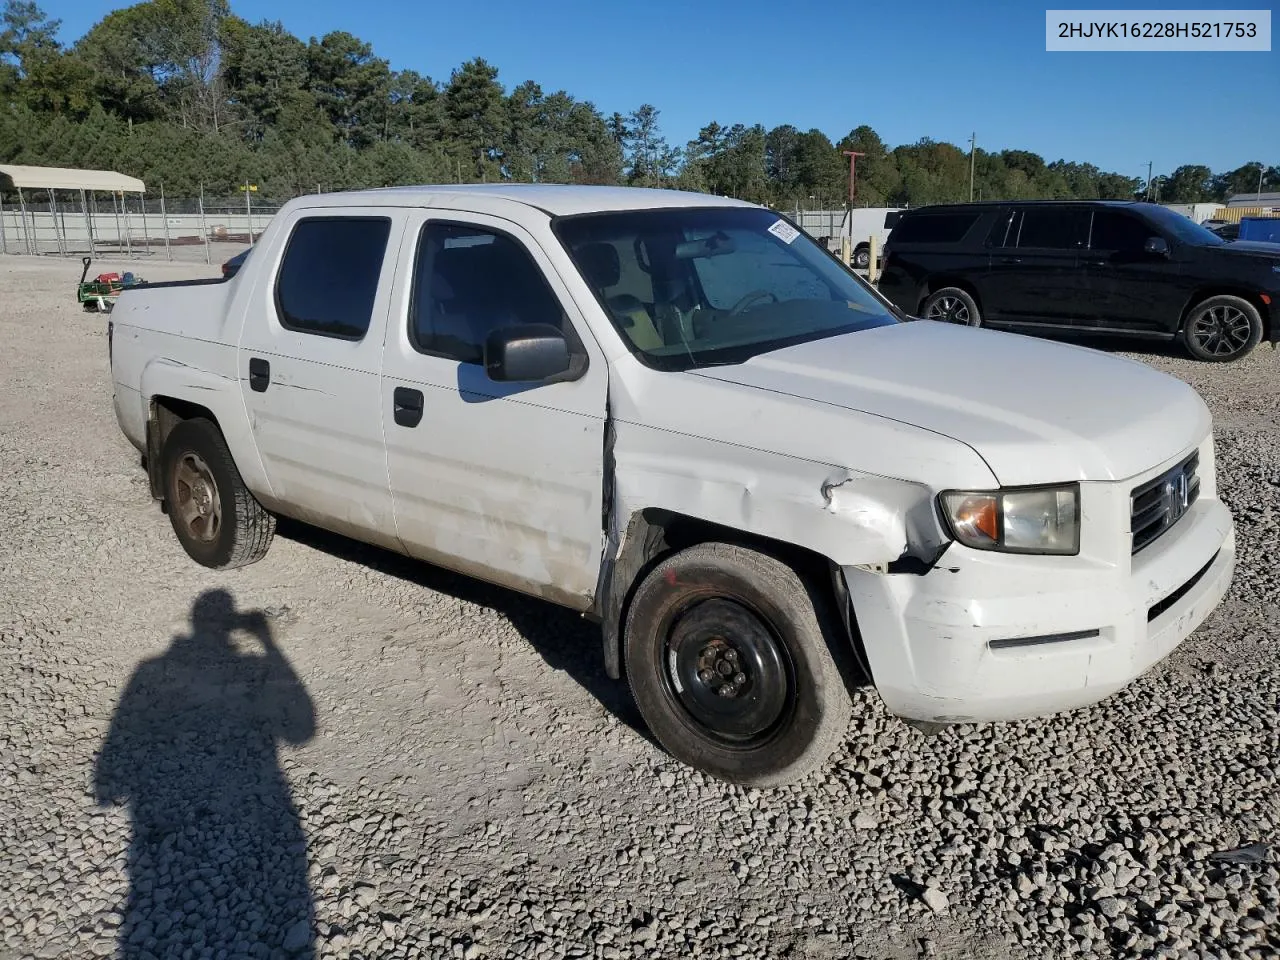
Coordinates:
[1028,520]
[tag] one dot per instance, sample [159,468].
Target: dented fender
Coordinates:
[166,377]
[853,518]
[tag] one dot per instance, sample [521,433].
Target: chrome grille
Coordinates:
[1160,503]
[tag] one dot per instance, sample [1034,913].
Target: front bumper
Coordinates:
[955,644]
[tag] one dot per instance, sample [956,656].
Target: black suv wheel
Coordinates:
[1221,329]
[952,305]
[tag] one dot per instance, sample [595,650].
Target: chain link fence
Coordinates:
[136,227]
[132,226]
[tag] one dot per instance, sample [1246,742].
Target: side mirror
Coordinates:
[533,352]
[1157,246]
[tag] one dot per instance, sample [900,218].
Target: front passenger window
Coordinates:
[1117,233]
[469,282]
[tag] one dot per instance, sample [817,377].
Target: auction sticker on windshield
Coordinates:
[784,231]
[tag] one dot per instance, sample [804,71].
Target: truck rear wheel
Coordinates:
[729,663]
[217,520]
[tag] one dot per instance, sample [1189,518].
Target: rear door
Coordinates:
[502,481]
[1036,274]
[309,357]
[932,248]
[1129,289]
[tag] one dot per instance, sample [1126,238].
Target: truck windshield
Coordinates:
[697,286]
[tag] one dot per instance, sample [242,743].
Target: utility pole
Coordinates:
[853,156]
[973,144]
[1150,163]
[1261,169]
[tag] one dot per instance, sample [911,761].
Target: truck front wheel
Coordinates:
[217,520]
[728,660]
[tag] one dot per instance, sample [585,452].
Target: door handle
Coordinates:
[1010,259]
[407,406]
[259,374]
[1096,263]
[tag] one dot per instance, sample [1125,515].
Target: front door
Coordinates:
[1130,289]
[1036,276]
[308,363]
[502,481]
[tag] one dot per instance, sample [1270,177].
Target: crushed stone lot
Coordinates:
[339,753]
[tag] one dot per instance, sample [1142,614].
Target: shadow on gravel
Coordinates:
[217,860]
[561,637]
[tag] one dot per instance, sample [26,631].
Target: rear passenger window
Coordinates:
[933,227]
[1054,228]
[329,278]
[469,282]
[1004,231]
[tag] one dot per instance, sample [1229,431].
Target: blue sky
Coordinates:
[936,68]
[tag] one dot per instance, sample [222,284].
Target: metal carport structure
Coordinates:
[21,179]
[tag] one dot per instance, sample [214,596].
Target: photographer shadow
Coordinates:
[217,858]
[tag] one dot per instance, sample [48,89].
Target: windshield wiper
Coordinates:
[699,364]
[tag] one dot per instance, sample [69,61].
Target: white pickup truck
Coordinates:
[680,416]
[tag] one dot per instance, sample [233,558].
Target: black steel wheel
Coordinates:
[728,670]
[727,656]
[952,305]
[216,519]
[1221,329]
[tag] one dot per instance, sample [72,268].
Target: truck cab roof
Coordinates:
[556,200]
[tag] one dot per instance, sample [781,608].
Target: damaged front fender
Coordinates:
[883,515]
[850,517]
[853,519]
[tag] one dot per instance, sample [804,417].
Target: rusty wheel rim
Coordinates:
[196,499]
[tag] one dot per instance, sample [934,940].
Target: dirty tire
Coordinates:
[195,458]
[788,707]
[952,305]
[1221,329]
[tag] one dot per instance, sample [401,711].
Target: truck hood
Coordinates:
[1036,411]
[1251,248]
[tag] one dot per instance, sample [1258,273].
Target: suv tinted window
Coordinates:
[329,277]
[933,227]
[1118,232]
[468,282]
[1053,228]
[1004,231]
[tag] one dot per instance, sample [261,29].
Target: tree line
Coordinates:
[186,94]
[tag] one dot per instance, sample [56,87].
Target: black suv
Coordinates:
[1095,267]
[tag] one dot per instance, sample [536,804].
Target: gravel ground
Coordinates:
[338,753]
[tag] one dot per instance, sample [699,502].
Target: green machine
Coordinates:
[99,294]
